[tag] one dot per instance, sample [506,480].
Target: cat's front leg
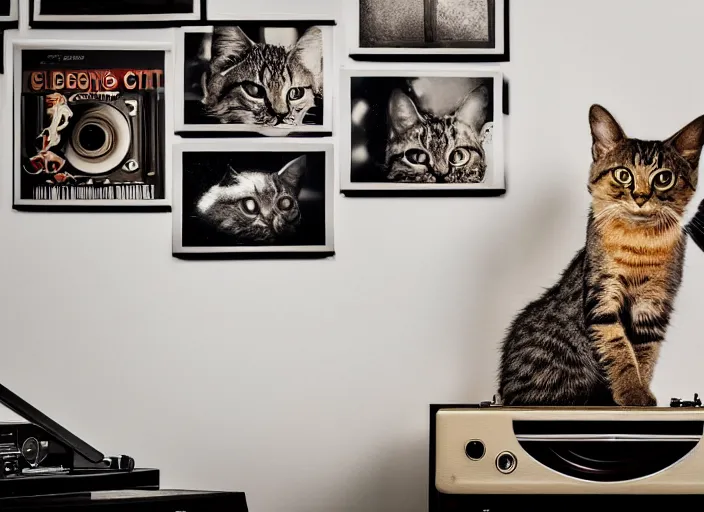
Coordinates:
[647,356]
[616,353]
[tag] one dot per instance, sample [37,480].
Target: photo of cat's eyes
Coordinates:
[424,132]
[257,199]
[255,78]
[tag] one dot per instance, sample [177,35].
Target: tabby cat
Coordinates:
[262,84]
[423,148]
[255,207]
[594,337]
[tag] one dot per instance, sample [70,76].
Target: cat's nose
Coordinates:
[442,168]
[280,108]
[640,199]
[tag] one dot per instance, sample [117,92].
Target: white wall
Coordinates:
[307,383]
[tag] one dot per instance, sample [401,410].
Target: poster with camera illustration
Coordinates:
[90,126]
[253,198]
[267,78]
[92,13]
[424,131]
[419,30]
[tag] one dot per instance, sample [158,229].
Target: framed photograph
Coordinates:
[422,131]
[471,30]
[273,79]
[253,198]
[9,13]
[92,13]
[9,19]
[91,124]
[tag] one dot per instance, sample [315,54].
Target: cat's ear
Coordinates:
[688,142]
[606,132]
[293,171]
[308,51]
[231,177]
[403,113]
[473,111]
[230,45]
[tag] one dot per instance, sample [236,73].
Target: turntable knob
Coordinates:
[475,450]
[10,467]
[506,462]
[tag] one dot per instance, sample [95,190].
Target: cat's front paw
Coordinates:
[636,397]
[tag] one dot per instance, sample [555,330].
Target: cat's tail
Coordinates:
[695,227]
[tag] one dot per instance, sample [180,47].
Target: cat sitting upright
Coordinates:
[594,337]
[262,84]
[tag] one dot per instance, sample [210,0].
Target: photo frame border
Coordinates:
[117,21]
[13,20]
[409,54]
[395,189]
[14,94]
[250,146]
[185,130]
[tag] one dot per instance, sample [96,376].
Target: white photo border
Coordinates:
[206,130]
[250,146]
[14,16]
[37,18]
[347,186]
[500,52]
[15,92]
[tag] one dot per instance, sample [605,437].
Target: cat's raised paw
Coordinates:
[637,397]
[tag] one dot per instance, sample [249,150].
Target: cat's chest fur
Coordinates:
[636,264]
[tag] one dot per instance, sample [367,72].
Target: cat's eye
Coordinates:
[417,156]
[460,157]
[296,93]
[285,203]
[254,90]
[623,176]
[663,180]
[250,206]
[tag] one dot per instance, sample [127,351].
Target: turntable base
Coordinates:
[132,501]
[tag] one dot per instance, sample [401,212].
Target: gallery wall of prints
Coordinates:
[259,283]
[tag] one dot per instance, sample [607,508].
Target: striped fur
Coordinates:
[255,207]
[263,84]
[423,148]
[594,338]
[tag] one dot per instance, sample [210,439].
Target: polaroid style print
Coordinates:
[422,131]
[90,124]
[92,13]
[268,78]
[253,198]
[473,30]
[9,19]
[9,13]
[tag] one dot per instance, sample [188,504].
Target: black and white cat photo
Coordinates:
[250,77]
[240,201]
[424,132]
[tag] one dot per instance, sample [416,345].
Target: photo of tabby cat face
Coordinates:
[255,207]
[249,76]
[427,132]
[594,338]
[258,198]
[433,149]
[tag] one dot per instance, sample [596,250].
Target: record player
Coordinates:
[489,458]
[43,465]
